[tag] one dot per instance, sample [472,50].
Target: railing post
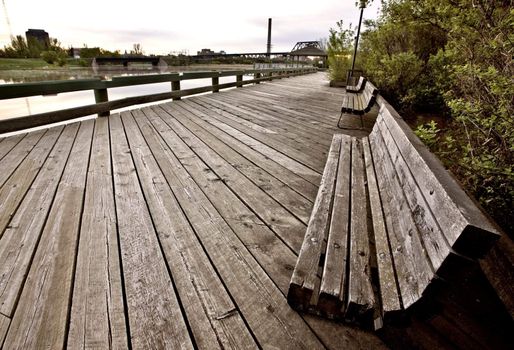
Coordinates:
[239,80]
[257,76]
[101,95]
[175,86]
[215,82]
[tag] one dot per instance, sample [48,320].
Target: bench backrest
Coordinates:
[444,212]
[357,88]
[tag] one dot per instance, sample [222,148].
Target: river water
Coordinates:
[18,107]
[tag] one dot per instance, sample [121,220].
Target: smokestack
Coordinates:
[268,46]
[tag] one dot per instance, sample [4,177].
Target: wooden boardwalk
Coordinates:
[172,226]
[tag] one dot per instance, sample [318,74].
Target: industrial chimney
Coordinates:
[268,46]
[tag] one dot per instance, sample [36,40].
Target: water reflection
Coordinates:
[102,72]
[18,107]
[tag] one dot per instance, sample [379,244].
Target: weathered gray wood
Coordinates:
[412,265]
[4,326]
[97,313]
[149,291]
[41,318]
[203,296]
[305,275]
[10,162]
[288,198]
[273,124]
[388,286]
[17,185]
[20,239]
[273,323]
[268,151]
[334,279]
[464,225]
[8,143]
[292,148]
[431,235]
[300,185]
[361,301]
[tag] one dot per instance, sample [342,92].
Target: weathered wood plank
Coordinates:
[287,226]
[214,319]
[298,184]
[4,326]
[431,235]
[291,148]
[464,225]
[268,151]
[41,318]
[412,265]
[388,286]
[154,314]
[10,162]
[248,115]
[20,239]
[8,143]
[334,279]
[262,305]
[11,194]
[305,275]
[289,199]
[97,313]
[361,301]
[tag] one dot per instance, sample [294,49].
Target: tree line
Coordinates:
[452,58]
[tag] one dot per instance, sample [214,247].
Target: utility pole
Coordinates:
[362,7]
[7,19]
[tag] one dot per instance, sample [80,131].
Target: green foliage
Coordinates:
[49,57]
[339,50]
[454,56]
[428,133]
[92,52]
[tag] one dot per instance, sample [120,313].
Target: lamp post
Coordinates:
[362,6]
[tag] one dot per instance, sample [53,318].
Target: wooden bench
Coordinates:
[359,103]
[357,88]
[388,223]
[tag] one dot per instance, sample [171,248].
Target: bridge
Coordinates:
[178,225]
[154,61]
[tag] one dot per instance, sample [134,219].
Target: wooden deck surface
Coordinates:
[172,226]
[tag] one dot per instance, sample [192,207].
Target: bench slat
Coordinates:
[361,300]
[464,225]
[305,277]
[334,272]
[388,285]
[434,241]
[412,266]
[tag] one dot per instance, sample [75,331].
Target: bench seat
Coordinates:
[388,223]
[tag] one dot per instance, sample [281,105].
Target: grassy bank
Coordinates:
[32,64]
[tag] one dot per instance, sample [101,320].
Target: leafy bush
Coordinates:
[49,57]
[339,48]
[454,57]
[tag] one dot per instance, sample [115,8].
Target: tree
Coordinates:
[339,50]
[138,50]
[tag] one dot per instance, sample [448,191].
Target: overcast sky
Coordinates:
[163,26]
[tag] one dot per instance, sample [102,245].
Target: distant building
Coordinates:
[74,52]
[38,35]
[209,52]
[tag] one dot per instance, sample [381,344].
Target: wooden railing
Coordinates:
[103,106]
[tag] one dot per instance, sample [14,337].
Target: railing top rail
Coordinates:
[17,90]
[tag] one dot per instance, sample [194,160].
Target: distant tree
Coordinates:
[138,50]
[339,50]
